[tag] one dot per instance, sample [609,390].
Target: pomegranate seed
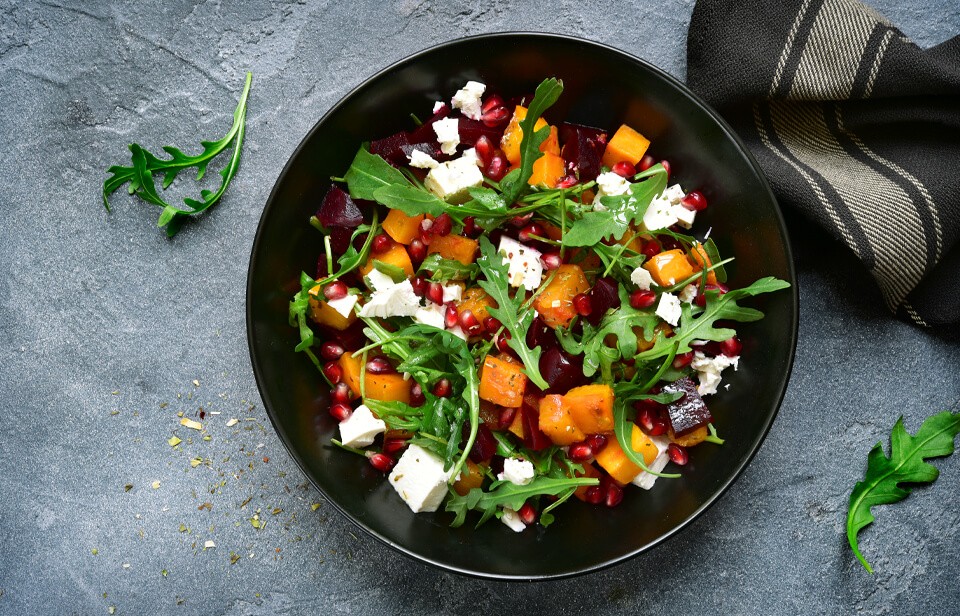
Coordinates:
[340,393]
[580,452]
[381,243]
[416,395]
[731,347]
[659,426]
[450,317]
[597,442]
[381,462]
[651,249]
[701,298]
[335,290]
[646,162]
[435,292]
[503,341]
[551,261]
[583,304]
[393,445]
[419,285]
[507,415]
[379,365]
[495,116]
[678,455]
[442,225]
[469,323]
[441,388]
[531,229]
[624,169]
[497,168]
[521,221]
[492,325]
[646,418]
[426,231]
[341,411]
[333,372]
[670,243]
[694,200]
[484,149]
[567,181]
[417,250]
[682,360]
[470,228]
[641,299]
[593,495]
[528,515]
[330,350]
[666,167]
[614,495]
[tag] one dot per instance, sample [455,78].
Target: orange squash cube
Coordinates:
[477,301]
[700,260]
[322,313]
[613,459]
[555,304]
[669,267]
[591,407]
[513,135]
[516,426]
[589,470]
[502,382]
[471,478]
[625,145]
[547,170]
[396,255]
[402,228]
[456,247]
[556,423]
[383,387]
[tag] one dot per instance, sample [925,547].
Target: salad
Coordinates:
[513,313]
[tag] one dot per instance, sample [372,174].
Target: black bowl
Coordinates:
[603,87]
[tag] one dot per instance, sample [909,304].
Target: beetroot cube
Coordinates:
[561,371]
[425,133]
[484,446]
[472,130]
[604,296]
[535,438]
[689,412]
[583,148]
[338,210]
[391,148]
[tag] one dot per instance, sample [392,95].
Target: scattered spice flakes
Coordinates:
[164,572]
[209,544]
[234,557]
[189,423]
[276,511]
[206,437]
[265,459]
[256,522]
[183,528]
[112,609]
[164,405]
[246,502]
[94,551]
[173,441]
[207,506]
[314,506]
[196,462]
[155,485]
[115,392]
[233,421]
[128,487]
[196,383]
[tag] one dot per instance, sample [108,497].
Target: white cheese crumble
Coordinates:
[512,519]
[609,184]
[517,471]
[709,369]
[344,305]
[641,278]
[448,134]
[438,106]
[432,315]
[669,308]
[453,293]
[665,210]
[524,268]
[396,301]
[457,331]
[360,428]
[467,99]
[378,281]
[688,293]
[422,160]
[451,180]
[646,480]
[419,479]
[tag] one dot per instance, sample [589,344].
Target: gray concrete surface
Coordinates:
[108,331]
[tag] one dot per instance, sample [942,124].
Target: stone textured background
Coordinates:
[108,330]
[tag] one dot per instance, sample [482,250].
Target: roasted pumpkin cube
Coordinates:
[589,470]
[384,387]
[321,312]
[591,407]
[472,478]
[401,227]
[396,255]
[477,301]
[502,382]
[625,145]
[547,170]
[513,135]
[613,459]
[669,267]
[556,422]
[700,260]
[455,247]
[555,304]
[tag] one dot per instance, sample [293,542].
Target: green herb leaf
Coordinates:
[395,272]
[368,172]
[410,200]
[510,495]
[881,483]
[145,166]
[444,270]
[515,184]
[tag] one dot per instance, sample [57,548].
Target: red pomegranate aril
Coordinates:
[580,452]
[624,169]
[646,162]
[641,299]
[381,462]
[442,225]
[450,316]
[670,243]
[333,372]
[593,495]
[381,243]
[469,323]
[441,388]
[503,341]
[528,515]
[426,231]
[582,304]
[492,325]
[340,393]
[493,101]
[521,221]
[659,427]
[435,292]
[495,117]
[484,148]
[597,442]
[531,229]
[379,365]
[731,347]
[614,495]
[341,411]
[694,201]
[497,167]
[666,167]
[701,298]
[551,261]
[507,415]
[646,418]
[335,290]
[393,445]
[416,395]
[330,350]
[470,228]
[419,285]
[651,249]
[568,181]
[678,455]
[682,360]
[417,250]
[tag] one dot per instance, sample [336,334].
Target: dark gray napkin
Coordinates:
[854,125]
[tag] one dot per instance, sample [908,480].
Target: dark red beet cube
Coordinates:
[583,148]
[535,438]
[484,446]
[391,148]
[561,370]
[604,296]
[689,412]
[539,334]
[472,130]
[425,133]
[339,241]
[339,210]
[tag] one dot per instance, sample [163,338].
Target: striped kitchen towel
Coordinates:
[854,125]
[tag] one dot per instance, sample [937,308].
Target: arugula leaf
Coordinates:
[881,482]
[515,183]
[395,272]
[510,495]
[508,310]
[368,172]
[145,165]
[714,255]
[444,270]
[410,200]
[623,425]
[701,327]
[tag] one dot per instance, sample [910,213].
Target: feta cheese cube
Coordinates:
[688,293]
[523,263]
[641,278]
[453,293]
[609,184]
[457,331]
[517,471]
[467,99]
[448,134]
[669,308]
[422,160]
[709,369]
[646,480]
[659,215]
[673,194]
[344,305]
[360,428]
[512,519]
[396,301]
[684,216]
[438,106]
[432,315]
[419,479]
[378,281]
[451,180]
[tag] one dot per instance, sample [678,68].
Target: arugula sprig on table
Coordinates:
[145,167]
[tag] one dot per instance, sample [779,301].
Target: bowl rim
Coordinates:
[754,447]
